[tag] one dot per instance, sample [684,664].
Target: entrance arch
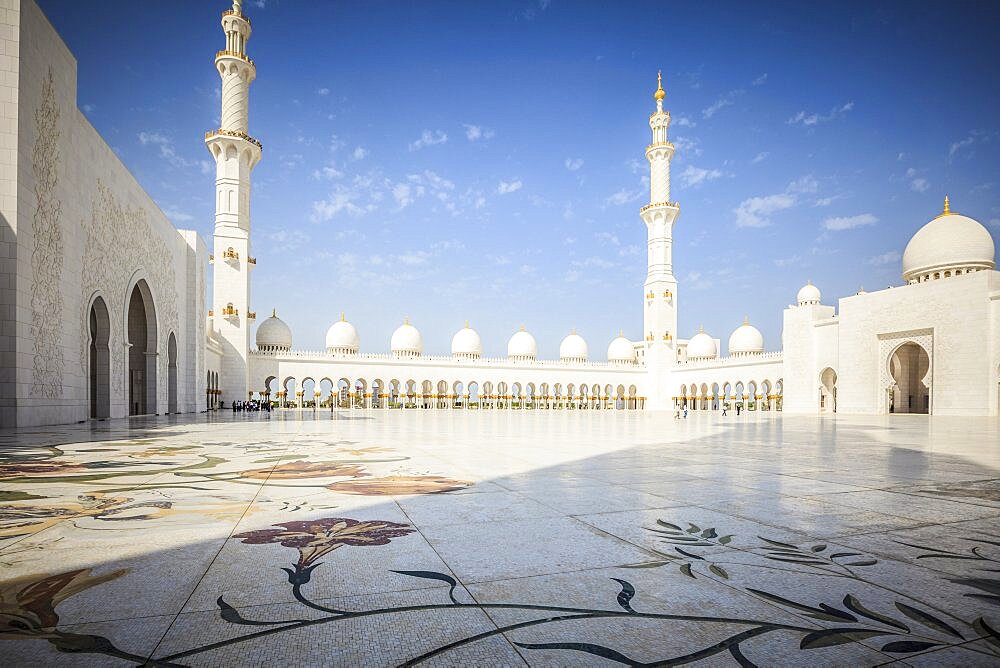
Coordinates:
[828,391]
[142,340]
[172,374]
[909,369]
[99,368]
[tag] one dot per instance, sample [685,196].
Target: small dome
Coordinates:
[466,343]
[522,346]
[406,341]
[809,294]
[702,347]
[621,350]
[746,340]
[949,242]
[274,334]
[342,337]
[573,348]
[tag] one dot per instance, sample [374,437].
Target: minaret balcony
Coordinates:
[233,12]
[653,205]
[235,134]
[251,315]
[252,260]
[225,53]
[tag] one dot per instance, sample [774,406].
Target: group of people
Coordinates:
[251,406]
[683,412]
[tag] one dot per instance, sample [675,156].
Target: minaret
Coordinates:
[236,153]
[660,288]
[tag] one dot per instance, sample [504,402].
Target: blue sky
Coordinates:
[484,161]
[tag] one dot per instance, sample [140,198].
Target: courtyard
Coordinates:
[498,538]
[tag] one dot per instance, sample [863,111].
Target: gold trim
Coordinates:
[234,133]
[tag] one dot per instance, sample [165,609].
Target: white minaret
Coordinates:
[236,154]
[660,288]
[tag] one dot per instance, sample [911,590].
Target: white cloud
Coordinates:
[694,176]
[594,261]
[413,258]
[285,240]
[629,251]
[959,145]
[428,138]
[849,222]
[759,81]
[572,276]
[169,153]
[477,132]
[726,100]
[623,196]
[684,122]
[687,147]
[756,211]
[810,119]
[339,200]
[505,187]
[360,153]
[480,202]
[805,184]
[327,173]
[827,201]
[177,216]
[322,91]
[402,193]
[890,257]
[783,262]
[573,164]
[919,185]
[759,157]
[89,108]
[607,238]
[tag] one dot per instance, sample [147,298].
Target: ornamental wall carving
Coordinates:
[47,251]
[887,344]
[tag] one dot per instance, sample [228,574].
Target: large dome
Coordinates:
[809,294]
[406,341]
[702,347]
[342,337]
[522,346]
[274,334]
[466,343]
[621,350]
[950,243]
[746,340]
[573,348]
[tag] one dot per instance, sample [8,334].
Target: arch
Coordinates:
[828,391]
[426,390]
[99,366]
[766,390]
[489,396]
[909,370]
[308,392]
[142,341]
[458,394]
[682,394]
[474,399]
[352,395]
[751,404]
[171,373]
[716,401]
[289,388]
[739,390]
[704,401]
[379,394]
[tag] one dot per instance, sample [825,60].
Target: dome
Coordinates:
[746,340]
[406,341]
[274,334]
[621,350]
[522,346]
[573,348]
[702,347]
[809,294]
[342,337]
[947,243]
[466,343]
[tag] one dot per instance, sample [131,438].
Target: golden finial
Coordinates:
[342,317]
[522,327]
[621,332]
[660,93]
[701,329]
[466,324]
[809,281]
[406,320]
[274,313]
[746,320]
[573,331]
[947,206]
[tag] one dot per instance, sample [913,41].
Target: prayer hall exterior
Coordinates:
[105,314]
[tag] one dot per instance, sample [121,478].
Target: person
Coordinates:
[738,407]
[723,410]
[677,413]
[685,413]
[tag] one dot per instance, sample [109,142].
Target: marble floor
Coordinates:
[497,538]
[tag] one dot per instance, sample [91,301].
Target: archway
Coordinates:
[172,373]
[828,391]
[909,365]
[100,360]
[141,351]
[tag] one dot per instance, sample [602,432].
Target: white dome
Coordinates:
[342,337]
[746,340]
[702,347]
[809,294]
[950,241]
[573,348]
[522,346]
[621,350]
[466,343]
[406,341]
[274,334]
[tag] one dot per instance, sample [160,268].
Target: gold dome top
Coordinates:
[660,93]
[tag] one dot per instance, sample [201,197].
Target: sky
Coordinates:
[484,161]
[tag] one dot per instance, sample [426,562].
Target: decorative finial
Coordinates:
[406,320]
[660,93]
[342,317]
[466,324]
[522,327]
[809,281]
[947,206]
[701,329]
[274,313]
[746,320]
[238,6]
[573,331]
[621,332]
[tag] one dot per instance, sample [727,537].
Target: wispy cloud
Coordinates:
[889,257]
[327,173]
[176,215]
[623,196]
[505,187]
[429,138]
[760,157]
[360,153]
[477,132]
[849,222]
[341,199]
[759,81]
[959,145]
[809,119]
[322,91]
[687,147]
[757,211]
[573,164]
[695,176]
[169,153]
[531,12]
[684,122]
[726,100]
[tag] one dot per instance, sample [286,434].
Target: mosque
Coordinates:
[82,245]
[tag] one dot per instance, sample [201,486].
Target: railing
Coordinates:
[234,133]
[660,144]
[233,12]
[429,360]
[234,54]
[673,205]
[734,360]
